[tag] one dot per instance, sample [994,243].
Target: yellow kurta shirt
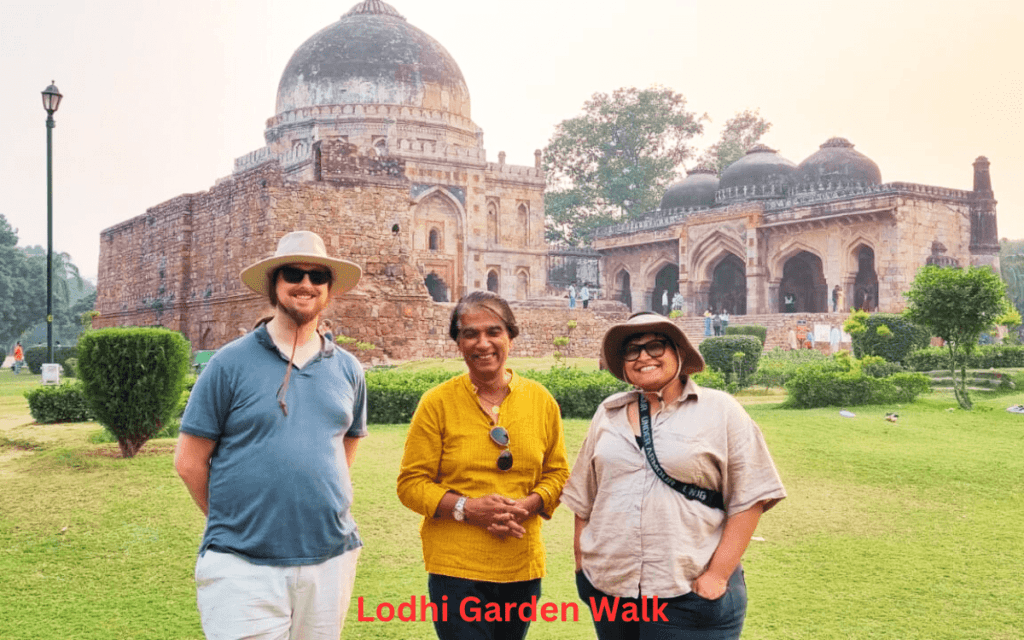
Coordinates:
[449,449]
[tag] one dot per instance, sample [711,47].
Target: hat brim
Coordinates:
[344,274]
[617,335]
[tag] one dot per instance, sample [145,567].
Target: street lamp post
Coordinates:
[51,100]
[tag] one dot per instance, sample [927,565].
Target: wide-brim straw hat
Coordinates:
[307,247]
[648,322]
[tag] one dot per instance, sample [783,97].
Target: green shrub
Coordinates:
[909,385]
[133,379]
[834,384]
[997,356]
[894,342]
[710,378]
[718,354]
[71,368]
[392,396]
[779,365]
[578,393]
[878,367]
[984,357]
[756,330]
[63,403]
[36,356]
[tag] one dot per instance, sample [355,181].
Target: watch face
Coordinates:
[458,512]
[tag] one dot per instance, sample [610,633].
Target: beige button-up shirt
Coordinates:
[641,535]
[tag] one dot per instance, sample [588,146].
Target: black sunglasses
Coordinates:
[500,437]
[654,348]
[294,275]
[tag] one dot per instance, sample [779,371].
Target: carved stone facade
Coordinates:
[775,237]
[373,148]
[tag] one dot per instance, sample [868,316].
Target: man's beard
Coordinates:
[302,316]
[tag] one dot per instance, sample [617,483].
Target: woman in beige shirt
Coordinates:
[671,555]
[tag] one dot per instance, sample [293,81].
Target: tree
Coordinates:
[957,305]
[741,132]
[23,285]
[615,161]
[21,302]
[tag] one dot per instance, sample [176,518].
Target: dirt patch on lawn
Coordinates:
[149,449]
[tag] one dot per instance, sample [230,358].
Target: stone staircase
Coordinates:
[984,380]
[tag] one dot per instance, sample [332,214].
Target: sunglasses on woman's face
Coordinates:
[500,437]
[654,348]
[294,275]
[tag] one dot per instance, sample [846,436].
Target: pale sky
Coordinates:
[161,97]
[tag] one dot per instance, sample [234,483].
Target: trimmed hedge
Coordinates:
[711,379]
[63,403]
[577,392]
[779,365]
[392,396]
[983,357]
[830,384]
[755,330]
[718,354]
[902,337]
[36,356]
[133,379]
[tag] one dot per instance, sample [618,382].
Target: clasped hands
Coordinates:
[501,516]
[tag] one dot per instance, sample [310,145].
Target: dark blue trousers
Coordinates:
[469,617]
[688,617]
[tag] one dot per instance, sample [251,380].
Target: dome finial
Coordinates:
[374,7]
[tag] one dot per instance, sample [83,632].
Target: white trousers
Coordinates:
[241,600]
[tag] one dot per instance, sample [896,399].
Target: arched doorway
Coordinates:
[803,285]
[865,286]
[492,281]
[622,289]
[436,287]
[666,283]
[729,286]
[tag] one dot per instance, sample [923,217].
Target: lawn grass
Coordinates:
[909,530]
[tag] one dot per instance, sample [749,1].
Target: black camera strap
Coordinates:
[707,497]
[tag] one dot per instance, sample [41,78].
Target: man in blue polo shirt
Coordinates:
[265,448]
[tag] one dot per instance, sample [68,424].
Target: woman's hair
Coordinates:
[487,301]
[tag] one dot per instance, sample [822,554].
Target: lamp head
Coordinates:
[51,98]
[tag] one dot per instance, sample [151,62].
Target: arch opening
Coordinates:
[622,288]
[803,287]
[729,286]
[666,284]
[865,286]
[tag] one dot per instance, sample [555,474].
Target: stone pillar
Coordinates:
[773,297]
[984,232]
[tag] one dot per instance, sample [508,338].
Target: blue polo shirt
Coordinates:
[280,492]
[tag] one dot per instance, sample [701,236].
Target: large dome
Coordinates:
[697,190]
[373,56]
[761,173]
[836,165]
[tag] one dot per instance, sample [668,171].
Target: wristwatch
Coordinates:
[459,510]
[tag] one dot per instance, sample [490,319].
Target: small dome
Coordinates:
[836,165]
[761,173]
[373,56]
[696,190]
